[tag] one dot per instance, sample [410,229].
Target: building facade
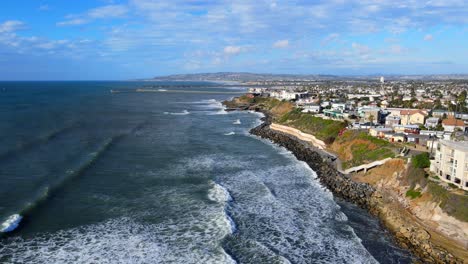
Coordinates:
[451,162]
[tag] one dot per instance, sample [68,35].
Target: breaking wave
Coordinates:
[11,223]
[121,240]
[185,112]
[230,133]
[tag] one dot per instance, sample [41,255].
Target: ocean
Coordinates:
[91,176]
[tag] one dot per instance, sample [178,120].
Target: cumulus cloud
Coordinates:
[428,37]
[281,44]
[103,12]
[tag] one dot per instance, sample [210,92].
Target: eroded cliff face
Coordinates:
[379,201]
[424,213]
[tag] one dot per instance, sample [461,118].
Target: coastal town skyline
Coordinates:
[94,39]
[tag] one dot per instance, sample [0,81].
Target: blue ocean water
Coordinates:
[162,177]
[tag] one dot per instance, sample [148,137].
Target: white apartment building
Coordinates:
[451,162]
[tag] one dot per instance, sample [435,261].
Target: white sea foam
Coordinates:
[11,223]
[279,202]
[185,112]
[123,241]
[162,90]
[219,194]
[237,122]
[230,133]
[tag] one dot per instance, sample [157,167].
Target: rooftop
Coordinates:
[453,122]
[458,145]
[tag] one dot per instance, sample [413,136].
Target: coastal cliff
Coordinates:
[407,231]
[429,247]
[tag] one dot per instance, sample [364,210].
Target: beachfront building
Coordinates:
[311,108]
[451,162]
[288,95]
[333,114]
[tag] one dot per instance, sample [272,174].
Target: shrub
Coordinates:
[413,194]
[421,160]
[415,175]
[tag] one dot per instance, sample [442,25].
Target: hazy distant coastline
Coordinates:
[229,77]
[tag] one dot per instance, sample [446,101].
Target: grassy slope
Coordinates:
[326,130]
[356,147]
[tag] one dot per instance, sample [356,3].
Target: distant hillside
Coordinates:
[242,76]
[245,77]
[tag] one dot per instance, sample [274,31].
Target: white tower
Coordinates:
[382,80]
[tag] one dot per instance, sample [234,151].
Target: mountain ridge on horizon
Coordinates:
[248,76]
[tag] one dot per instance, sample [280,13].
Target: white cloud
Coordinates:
[232,50]
[281,44]
[73,22]
[109,11]
[428,37]
[103,12]
[11,26]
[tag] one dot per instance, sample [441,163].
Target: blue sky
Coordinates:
[112,39]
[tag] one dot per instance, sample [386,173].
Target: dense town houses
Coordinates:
[432,115]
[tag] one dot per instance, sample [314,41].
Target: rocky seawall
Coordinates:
[407,231]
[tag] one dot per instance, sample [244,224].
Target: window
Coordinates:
[457,181]
[447,177]
[466,184]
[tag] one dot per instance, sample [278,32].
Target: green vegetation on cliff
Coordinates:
[451,203]
[283,112]
[413,193]
[421,160]
[357,147]
[323,129]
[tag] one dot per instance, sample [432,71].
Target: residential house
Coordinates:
[379,131]
[450,124]
[409,117]
[311,108]
[432,122]
[370,114]
[391,121]
[441,113]
[417,139]
[398,137]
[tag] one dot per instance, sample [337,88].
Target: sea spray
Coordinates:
[11,223]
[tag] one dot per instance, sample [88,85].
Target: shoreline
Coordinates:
[408,233]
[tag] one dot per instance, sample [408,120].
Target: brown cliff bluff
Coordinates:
[408,232]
